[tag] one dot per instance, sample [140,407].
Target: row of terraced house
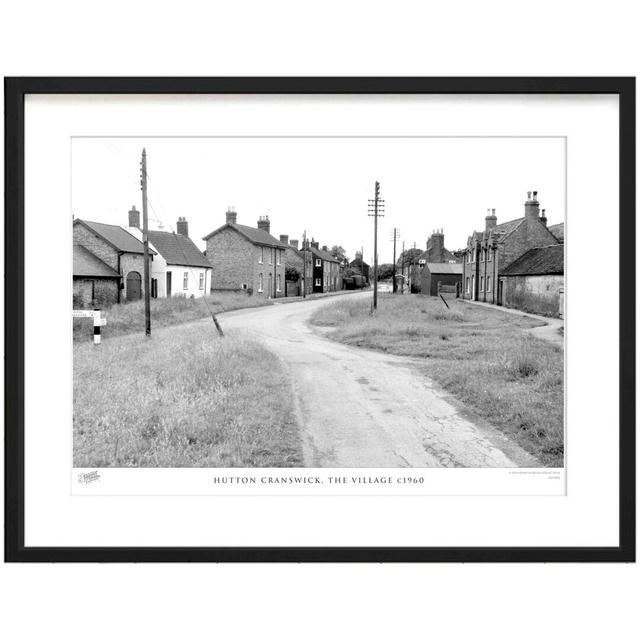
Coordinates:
[108,262]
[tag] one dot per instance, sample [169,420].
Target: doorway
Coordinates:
[134,286]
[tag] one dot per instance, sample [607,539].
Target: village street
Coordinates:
[360,408]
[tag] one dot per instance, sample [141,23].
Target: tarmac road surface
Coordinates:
[361,408]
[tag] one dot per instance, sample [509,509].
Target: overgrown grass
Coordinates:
[483,357]
[182,398]
[126,318]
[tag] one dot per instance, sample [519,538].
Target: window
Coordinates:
[185,280]
[270,257]
[318,282]
[260,283]
[488,284]
[483,255]
[468,285]
[490,255]
[473,256]
[481,283]
[279,254]
[318,262]
[261,255]
[201,282]
[278,282]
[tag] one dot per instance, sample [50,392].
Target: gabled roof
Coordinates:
[116,236]
[177,249]
[256,236]
[508,227]
[558,231]
[88,265]
[325,255]
[540,261]
[445,267]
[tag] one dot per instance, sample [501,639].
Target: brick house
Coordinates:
[246,258]
[179,267]
[489,252]
[435,254]
[360,265]
[95,283]
[535,281]
[119,250]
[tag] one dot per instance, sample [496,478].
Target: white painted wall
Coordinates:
[160,268]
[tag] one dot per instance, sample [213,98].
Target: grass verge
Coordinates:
[127,318]
[183,398]
[483,357]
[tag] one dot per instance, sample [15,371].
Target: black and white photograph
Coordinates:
[318,301]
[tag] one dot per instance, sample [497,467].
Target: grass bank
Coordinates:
[126,318]
[182,398]
[483,357]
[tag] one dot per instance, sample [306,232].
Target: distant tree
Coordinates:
[409,256]
[291,273]
[385,271]
[340,253]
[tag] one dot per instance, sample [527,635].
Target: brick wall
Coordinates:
[98,292]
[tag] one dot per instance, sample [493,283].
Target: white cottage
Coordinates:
[179,268]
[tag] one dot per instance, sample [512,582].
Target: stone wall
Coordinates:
[534,294]
[97,292]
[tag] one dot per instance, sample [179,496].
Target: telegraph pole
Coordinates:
[304,264]
[375,206]
[145,241]
[394,237]
[402,285]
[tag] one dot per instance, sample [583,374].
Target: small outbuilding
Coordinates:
[535,281]
[447,274]
[95,283]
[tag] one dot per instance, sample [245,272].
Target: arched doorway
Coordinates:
[134,286]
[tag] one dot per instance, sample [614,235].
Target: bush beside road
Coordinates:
[485,358]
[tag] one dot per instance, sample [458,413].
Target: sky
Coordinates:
[322,185]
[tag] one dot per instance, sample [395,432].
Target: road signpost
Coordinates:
[98,321]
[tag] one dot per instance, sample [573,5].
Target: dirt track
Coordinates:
[360,408]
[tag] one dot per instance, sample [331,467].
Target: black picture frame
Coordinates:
[15,91]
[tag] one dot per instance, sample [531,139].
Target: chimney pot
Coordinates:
[264,223]
[182,227]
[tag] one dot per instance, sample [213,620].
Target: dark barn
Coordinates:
[445,273]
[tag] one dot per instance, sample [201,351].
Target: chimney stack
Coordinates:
[293,243]
[543,217]
[232,216]
[314,244]
[182,227]
[324,247]
[491,220]
[284,239]
[532,206]
[435,246]
[134,217]
[264,224]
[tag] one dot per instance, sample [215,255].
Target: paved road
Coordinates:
[360,408]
